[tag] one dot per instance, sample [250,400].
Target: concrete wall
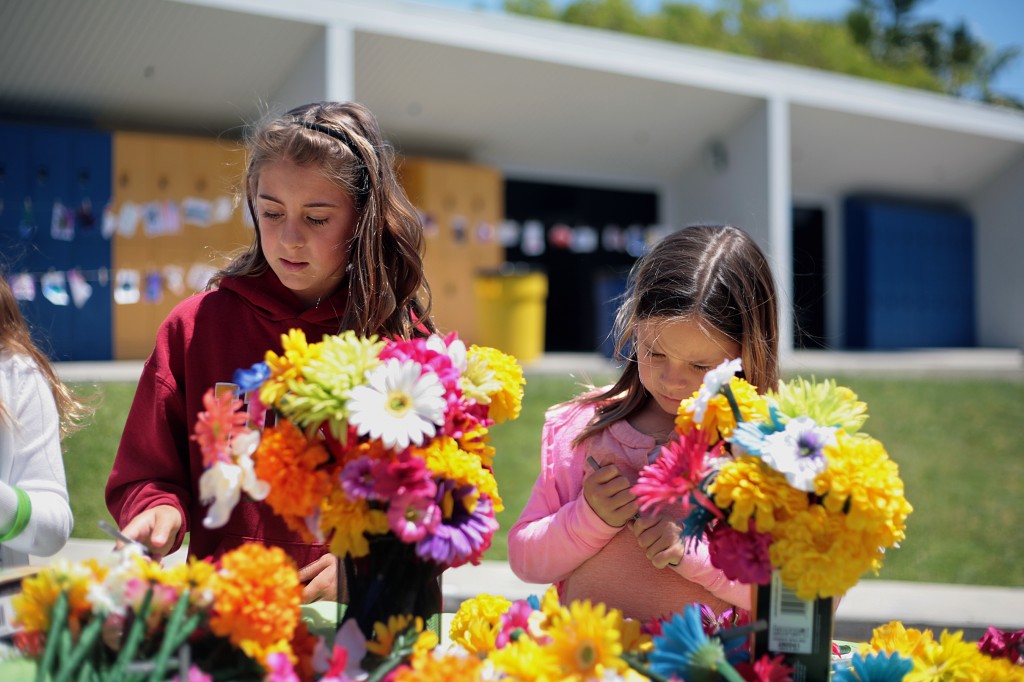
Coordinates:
[999,258]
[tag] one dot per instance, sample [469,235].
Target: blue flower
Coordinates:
[876,667]
[252,378]
[684,650]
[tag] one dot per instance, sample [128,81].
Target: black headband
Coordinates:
[342,137]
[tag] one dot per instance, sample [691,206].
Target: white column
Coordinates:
[780,215]
[340,57]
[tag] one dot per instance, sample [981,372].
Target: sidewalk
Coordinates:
[869,604]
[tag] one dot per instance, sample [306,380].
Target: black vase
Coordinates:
[390,581]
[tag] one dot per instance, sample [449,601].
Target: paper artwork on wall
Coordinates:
[198,276]
[508,233]
[109,226]
[62,223]
[174,279]
[23,286]
[584,240]
[223,207]
[126,287]
[154,290]
[197,211]
[533,238]
[484,232]
[54,286]
[128,219]
[81,290]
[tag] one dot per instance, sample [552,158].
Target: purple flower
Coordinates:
[357,479]
[465,536]
[412,517]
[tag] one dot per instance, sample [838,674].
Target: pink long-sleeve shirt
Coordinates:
[559,539]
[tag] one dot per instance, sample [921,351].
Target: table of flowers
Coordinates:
[380,448]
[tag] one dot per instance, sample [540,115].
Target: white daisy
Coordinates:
[797,452]
[712,386]
[399,404]
[220,485]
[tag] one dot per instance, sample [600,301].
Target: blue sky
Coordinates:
[1000,23]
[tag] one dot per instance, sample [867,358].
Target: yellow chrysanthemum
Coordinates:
[477,623]
[998,670]
[587,643]
[261,652]
[444,457]
[862,482]
[525,660]
[384,634]
[949,660]
[476,441]
[287,367]
[719,419]
[894,637]
[348,522]
[632,636]
[256,596]
[33,606]
[824,402]
[440,667]
[192,575]
[494,377]
[748,488]
[551,606]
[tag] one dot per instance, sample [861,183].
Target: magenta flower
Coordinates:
[766,669]
[1000,644]
[406,475]
[411,517]
[677,472]
[740,556]
[515,620]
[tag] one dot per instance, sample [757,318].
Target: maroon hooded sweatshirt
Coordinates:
[203,341]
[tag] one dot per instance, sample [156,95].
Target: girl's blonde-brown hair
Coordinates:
[388,291]
[16,338]
[714,274]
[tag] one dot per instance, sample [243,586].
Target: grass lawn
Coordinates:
[956,442]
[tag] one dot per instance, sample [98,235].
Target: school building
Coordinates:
[543,158]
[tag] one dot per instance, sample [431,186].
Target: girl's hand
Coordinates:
[320,580]
[157,528]
[660,540]
[608,493]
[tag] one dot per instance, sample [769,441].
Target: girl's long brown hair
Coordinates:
[388,290]
[15,337]
[714,274]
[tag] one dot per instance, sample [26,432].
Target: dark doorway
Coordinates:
[808,277]
[579,256]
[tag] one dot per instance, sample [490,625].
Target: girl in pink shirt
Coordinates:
[702,295]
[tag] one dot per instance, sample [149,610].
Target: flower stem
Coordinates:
[733,405]
[728,672]
[58,622]
[171,636]
[134,639]
[86,642]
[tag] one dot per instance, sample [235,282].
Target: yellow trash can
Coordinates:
[510,312]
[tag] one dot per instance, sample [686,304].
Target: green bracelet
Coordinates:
[21,516]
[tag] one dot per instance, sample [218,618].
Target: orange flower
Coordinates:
[256,596]
[291,464]
[428,667]
[220,420]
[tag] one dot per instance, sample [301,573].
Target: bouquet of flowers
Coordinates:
[377,447]
[127,617]
[786,481]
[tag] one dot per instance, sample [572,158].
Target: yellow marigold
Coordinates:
[499,379]
[193,574]
[552,608]
[719,419]
[440,667]
[292,465]
[525,660]
[261,652]
[864,483]
[477,623]
[287,367]
[447,460]
[817,555]
[256,596]
[347,522]
[748,488]
[998,670]
[631,634]
[587,644]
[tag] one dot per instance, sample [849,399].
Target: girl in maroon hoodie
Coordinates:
[337,246]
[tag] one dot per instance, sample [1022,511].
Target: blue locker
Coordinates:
[909,275]
[44,168]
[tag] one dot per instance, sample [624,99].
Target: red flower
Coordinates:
[766,669]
